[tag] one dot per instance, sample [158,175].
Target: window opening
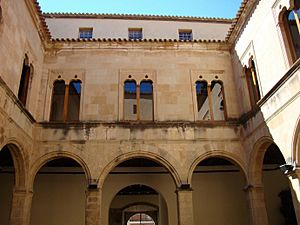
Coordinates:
[140,219]
[74,101]
[293,24]
[135,34]
[130,100]
[203,108]
[57,105]
[24,82]
[253,85]
[85,33]
[186,35]
[146,100]
[65,105]
[217,100]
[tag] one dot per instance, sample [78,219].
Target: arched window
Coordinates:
[203,107]
[146,100]
[65,105]
[217,95]
[140,219]
[57,104]
[24,82]
[138,100]
[252,82]
[130,100]
[74,100]
[292,29]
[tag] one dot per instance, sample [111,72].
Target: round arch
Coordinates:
[18,155]
[217,154]
[296,142]
[56,155]
[256,159]
[140,154]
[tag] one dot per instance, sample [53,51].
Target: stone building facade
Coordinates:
[120,119]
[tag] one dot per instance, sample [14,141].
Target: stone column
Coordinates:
[21,207]
[92,208]
[185,205]
[294,179]
[257,205]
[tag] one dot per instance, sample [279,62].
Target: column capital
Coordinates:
[253,187]
[184,187]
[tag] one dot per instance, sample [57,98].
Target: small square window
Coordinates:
[85,33]
[185,35]
[135,33]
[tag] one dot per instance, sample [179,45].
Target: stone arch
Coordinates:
[221,154]
[296,142]
[139,154]
[256,159]
[17,152]
[40,162]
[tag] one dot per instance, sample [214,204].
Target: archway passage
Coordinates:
[278,198]
[59,194]
[7,181]
[218,195]
[135,204]
[139,185]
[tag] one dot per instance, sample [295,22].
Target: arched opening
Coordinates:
[25,81]
[252,83]
[146,100]
[7,181]
[278,198]
[59,193]
[218,100]
[218,195]
[203,108]
[130,100]
[57,103]
[139,182]
[144,204]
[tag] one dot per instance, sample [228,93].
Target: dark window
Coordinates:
[57,104]
[74,101]
[24,82]
[65,105]
[202,100]
[253,85]
[292,30]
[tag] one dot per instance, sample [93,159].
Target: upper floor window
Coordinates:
[252,83]
[138,100]
[185,35]
[85,33]
[25,81]
[135,33]
[65,104]
[292,30]
[210,100]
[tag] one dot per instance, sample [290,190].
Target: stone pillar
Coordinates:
[92,208]
[21,207]
[185,205]
[294,179]
[257,205]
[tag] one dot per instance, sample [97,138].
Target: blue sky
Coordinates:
[202,8]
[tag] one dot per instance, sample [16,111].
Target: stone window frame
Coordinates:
[279,9]
[138,76]
[208,76]
[68,76]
